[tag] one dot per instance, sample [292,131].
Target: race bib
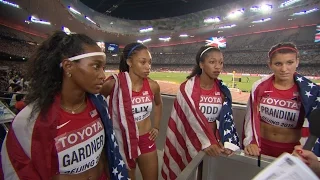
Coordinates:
[141,107]
[280,112]
[210,106]
[80,150]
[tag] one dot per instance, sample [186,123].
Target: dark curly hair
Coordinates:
[44,69]
[128,51]
[196,69]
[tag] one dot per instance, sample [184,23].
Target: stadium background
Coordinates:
[244,30]
[173,30]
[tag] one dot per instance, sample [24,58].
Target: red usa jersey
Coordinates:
[142,102]
[282,108]
[79,141]
[211,103]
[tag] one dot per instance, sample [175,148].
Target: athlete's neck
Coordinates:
[135,79]
[283,85]
[206,82]
[71,95]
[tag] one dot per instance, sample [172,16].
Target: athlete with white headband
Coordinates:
[86,55]
[82,56]
[279,105]
[64,132]
[201,116]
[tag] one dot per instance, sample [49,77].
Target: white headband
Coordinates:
[74,58]
[205,50]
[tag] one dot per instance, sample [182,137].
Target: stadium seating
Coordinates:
[244,54]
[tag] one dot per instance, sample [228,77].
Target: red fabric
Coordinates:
[78,120]
[75,133]
[284,94]
[103,176]
[145,87]
[258,93]
[250,112]
[196,97]
[190,129]
[214,89]
[275,149]
[126,101]
[44,157]
[272,52]
[20,105]
[43,163]
[254,115]
[142,102]
[211,102]
[145,145]
[289,94]
[124,125]
[305,132]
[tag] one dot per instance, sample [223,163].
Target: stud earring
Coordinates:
[68,74]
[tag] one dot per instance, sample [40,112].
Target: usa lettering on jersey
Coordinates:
[80,150]
[279,112]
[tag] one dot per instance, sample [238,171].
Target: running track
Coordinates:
[172,88]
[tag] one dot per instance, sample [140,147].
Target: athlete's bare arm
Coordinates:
[107,87]
[157,108]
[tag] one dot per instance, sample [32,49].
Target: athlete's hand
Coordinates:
[153,134]
[228,152]
[252,150]
[214,150]
[308,157]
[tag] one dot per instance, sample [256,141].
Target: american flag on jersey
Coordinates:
[93,113]
[120,108]
[310,99]
[189,131]
[23,155]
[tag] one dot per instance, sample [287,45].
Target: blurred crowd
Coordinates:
[242,69]
[13,89]
[16,47]
[244,54]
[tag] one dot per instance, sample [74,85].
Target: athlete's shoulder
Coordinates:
[263,80]
[24,117]
[153,84]
[107,86]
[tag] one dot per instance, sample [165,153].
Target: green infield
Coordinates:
[179,77]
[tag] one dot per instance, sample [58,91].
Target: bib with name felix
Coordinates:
[142,102]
